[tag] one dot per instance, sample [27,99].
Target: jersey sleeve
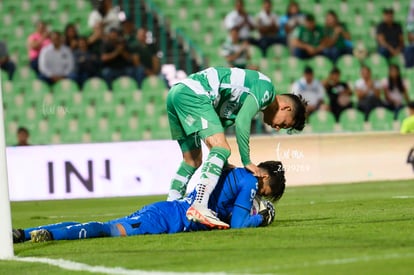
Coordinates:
[241,211]
[243,123]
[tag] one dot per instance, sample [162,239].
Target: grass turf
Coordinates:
[365,228]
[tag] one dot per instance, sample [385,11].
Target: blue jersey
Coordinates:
[232,200]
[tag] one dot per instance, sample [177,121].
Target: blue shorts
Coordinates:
[156,218]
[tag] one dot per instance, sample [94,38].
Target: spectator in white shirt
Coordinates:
[55,60]
[368,92]
[240,20]
[106,14]
[311,90]
[267,23]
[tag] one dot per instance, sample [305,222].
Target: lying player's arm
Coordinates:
[243,122]
[241,217]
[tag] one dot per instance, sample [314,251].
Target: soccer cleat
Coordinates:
[203,215]
[18,236]
[41,235]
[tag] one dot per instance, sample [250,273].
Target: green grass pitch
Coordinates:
[365,228]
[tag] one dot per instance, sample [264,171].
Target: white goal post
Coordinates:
[6,238]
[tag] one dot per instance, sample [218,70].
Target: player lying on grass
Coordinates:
[232,199]
[201,106]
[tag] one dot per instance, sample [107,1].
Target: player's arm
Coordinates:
[241,217]
[243,122]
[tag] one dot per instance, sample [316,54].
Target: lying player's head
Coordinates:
[288,111]
[272,185]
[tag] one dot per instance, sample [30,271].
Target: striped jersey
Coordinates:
[229,87]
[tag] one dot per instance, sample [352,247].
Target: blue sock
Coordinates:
[81,231]
[47,227]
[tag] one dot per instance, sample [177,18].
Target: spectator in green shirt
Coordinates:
[337,37]
[407,126]
[308,39]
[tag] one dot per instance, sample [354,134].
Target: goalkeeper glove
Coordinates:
[268,214]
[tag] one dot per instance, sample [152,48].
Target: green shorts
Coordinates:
[191,115]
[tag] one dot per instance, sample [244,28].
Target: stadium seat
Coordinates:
[378,65]
[409,76]
[277,52]
[381,119]
[322,122]
[24,74]
[35,91]
[321,66]
[402,114]
[349,67]
[102,132]
[94,90]
[124,84]
[292,67]
[352,120]
[132,132]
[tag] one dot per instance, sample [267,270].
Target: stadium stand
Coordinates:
[66,114]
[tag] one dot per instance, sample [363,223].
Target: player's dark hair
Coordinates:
[277,182]
[299,110]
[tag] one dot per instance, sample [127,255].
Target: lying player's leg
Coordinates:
[72,232]
[22,235]
[157,218]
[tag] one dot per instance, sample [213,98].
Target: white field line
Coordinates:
[75,266]
[348,260]
[403,197]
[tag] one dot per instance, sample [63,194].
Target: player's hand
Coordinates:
[257,172]
[268,214]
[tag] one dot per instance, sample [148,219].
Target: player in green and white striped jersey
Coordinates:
[202,105]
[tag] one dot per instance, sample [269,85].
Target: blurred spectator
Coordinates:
[268,26]
[22,136]
[339,93]
[368,92]
[86,63]
[395,89]
[116,59]
[5,63]
[389,35]
[407,125]
[55,60]
[129,32]
[338,37]
[239,19]
[307,40]
[71,36]
[311,90]
[288,22]
[35,42]
[235,51]
[96,39]
[409,49]
[145,57]
[106,14]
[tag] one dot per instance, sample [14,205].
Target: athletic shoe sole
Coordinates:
[41,235]
[196,216]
